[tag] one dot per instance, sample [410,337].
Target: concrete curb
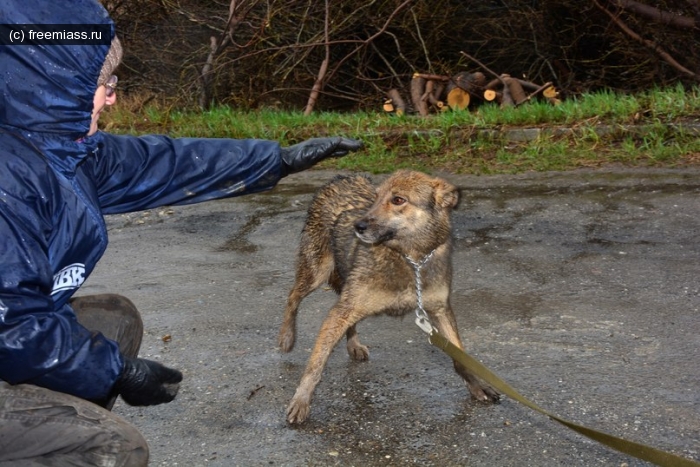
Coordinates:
[533,133]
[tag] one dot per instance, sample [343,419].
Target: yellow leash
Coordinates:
[640,451]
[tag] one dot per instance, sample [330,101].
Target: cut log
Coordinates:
[492,95]
[388,106]
[438,92]
[506,98]
[417,91]
[458,99]
[459,91]
[463,80]
[473,83]
[434,98]
[478,79]
[429,89]
[494,84]
[517,93]
[550,92]
[395,103]
[551,95]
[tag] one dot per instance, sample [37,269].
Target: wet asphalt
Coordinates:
[580,289]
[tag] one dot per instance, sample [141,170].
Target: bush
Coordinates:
[270,54]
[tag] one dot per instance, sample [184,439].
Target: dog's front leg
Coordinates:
[356,350]
[339,320]
[445,322]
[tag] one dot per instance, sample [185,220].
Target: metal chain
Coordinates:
[422,319]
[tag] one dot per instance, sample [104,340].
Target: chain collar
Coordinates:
[422,319]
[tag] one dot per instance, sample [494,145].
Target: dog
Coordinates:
[359,239]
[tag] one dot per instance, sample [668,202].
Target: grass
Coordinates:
[657,128]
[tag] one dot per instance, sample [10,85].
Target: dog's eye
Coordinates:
[398,201]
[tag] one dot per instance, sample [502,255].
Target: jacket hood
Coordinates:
[46,91]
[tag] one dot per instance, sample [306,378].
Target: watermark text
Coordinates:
[55,34]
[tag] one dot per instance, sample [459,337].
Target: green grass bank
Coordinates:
[658,128]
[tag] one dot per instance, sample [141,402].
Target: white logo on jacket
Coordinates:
[70,277]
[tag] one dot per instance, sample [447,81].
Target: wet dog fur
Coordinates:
[356,239]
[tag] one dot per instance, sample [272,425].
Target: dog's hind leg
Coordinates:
[446,324]
[356,350]
[314,267]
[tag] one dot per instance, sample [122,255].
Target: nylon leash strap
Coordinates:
[638,450]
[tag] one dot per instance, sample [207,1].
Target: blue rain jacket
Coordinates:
[56,184]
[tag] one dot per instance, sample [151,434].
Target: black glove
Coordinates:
[145,382]
[305,154]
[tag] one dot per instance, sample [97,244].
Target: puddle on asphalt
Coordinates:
[278,200]
[239,242]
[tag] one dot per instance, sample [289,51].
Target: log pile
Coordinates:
[437,93]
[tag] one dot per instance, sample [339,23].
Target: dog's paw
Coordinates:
[484,393]
[297,411]
[286,339]
[491,394]
[358,352]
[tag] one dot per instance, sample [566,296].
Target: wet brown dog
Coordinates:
[358,238]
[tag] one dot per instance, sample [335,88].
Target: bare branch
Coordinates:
[655,14]
[655,47]
[318,85]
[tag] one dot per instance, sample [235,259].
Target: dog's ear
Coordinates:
[446,194]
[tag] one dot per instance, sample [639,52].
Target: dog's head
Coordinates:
[411,213]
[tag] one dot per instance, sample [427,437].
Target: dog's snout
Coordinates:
[361,226]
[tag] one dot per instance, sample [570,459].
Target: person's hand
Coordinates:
[145,382]
[307,153]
